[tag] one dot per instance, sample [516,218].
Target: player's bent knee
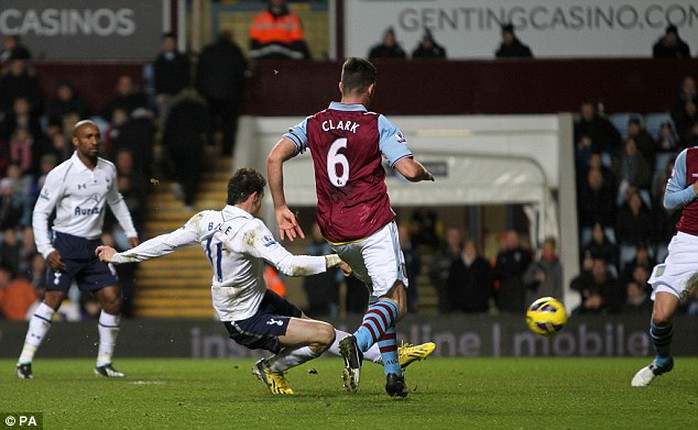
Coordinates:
[661,317]
[326,334]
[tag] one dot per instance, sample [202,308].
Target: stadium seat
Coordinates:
[654,121]
[620,121]
[661,160]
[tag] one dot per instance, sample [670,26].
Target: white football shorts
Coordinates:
[377,260]
[678,267]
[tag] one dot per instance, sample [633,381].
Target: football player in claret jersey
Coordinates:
[348,143]
[673,280]
[78,189]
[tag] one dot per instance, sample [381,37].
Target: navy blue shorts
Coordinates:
[83,265]
[262,330]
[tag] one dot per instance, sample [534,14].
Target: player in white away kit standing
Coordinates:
[78,189]
[673,280]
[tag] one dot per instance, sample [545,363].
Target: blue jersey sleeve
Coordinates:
[299,136]
[677,194]
[392,143]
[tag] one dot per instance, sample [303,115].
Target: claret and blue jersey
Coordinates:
[348,143]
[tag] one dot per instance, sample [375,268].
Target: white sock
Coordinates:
[290,357]
[38,327]
[373,354]
[108,331]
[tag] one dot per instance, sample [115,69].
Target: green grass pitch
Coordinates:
[484,393]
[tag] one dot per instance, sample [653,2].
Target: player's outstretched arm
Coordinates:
[413,170]
[284,150]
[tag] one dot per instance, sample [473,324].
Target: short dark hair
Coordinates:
[243,183]
[357,75]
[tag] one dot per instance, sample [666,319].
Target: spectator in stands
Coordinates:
[322,289]
[600,291]
[58,146]
[46,164]
[16,295]
[19,80]
[641,260]
[12,199]
[604,136]
[595,162]
[273,280]
[428,48]
[137,135]
[511,46]
[277,33]
[10,250]
[693,135]
[185,138]
[671,45]
[633,227]
[582,154]
[127,96]
[22,150]
[664,220]
[66,102]
[220,79]
[111,135]
[470,281]
[511,263]
[596,203]
[634,173]
[22,116]
[687,95]
[388,47]
[441,262]
[636,300]
[600,247]
[133,186]
[413,265]
[171,73]
[683,121]
[543,278]
[426,226]
[12,48]
[667,141]
[645,143]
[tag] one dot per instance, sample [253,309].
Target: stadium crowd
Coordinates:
[623,161]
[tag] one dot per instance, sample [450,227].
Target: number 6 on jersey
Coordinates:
[335,160]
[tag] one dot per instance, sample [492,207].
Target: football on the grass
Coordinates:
[546,316]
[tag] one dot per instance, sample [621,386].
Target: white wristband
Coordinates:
[333,260]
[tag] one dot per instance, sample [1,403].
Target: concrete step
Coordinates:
[168,292]
[175,302]
[170,312]
[193,283]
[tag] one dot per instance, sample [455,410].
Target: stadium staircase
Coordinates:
[179,284]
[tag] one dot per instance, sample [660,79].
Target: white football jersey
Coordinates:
[79,196]
[236,245]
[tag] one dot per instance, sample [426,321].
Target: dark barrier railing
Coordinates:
[428,87]
[455,336]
